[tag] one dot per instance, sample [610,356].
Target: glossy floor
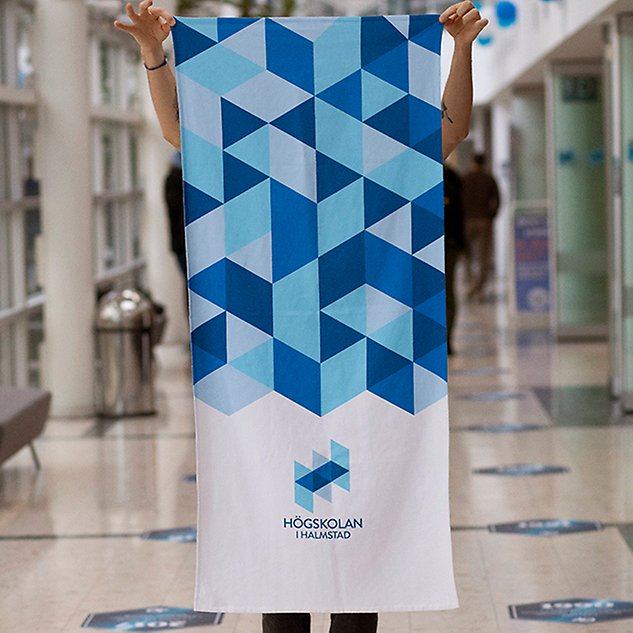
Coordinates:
[70,536]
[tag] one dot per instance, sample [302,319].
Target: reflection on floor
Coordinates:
[70,537]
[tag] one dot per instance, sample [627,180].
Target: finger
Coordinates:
[165,27]
[131,13]
[464,8]
[449,13]
[471,16]
[128,28]
[144,6]
[162,13]
[481,25]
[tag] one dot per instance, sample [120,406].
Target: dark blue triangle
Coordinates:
[239,177]
[427,282]
[210,283]
[189,42]
[211,336]
[426,227]
[393,67]
[433,200]
[382,363]
[332,176]
[289,55]
[424,120]
[427,335]
[426,31]
[335,337]
[378,36]
[398,389]
[431,146]
[203,363]
[230,26]
[436,361]
[393,121]
[346,95]
[299,122]
[197,203]
[379,202]
[237,123]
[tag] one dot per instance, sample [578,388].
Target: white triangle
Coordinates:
[433,254]
[250,43]
[378,148]
[401,22]
[395,228]
[256,257]
[310,28]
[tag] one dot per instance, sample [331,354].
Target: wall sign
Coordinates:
[531,247]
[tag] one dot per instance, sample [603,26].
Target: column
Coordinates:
[62,63]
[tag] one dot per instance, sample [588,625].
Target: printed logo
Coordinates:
[318,480]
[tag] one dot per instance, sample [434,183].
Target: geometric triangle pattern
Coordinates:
[312,165]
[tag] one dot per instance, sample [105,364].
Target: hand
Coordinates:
[150,28]
[463,22]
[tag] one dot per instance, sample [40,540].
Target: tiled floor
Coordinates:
[70,537]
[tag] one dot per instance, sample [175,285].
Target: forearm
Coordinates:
[162,86]
[457,100]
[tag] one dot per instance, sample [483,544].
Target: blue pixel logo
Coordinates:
[318,480]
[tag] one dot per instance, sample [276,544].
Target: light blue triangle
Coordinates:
[241,337]
[254,150]
[401,22]
[202,165]
[382,309]
[205,241]
[293,163]
[310,29]
[339,135]
[378,148]
[329,65]
[424,76]
[428,388]
[206,26]
[377,94]
[428,173]
[341,216]
[258,363]
[343,377]
[201,310]
[267,96]
[318,460]
[433,254]
[350,310]
[230,69]
[247,217]
[325,493]
[395,228]
[200,110]
[397,335]
[256,257]
[296,310]
[249,42]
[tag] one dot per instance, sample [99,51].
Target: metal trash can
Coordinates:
[125,332]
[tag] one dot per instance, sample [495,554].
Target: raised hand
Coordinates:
[463,22]
[150,27]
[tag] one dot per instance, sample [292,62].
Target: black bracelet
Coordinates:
[163,63]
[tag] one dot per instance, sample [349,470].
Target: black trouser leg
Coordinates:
[354,623]
[286,623]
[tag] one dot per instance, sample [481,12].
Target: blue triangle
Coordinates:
[424,120]
[210,283]
[382,363]
[427,281]
[336,337]
[211,336]
[398,389]
[203,363]
[436,361]
[289,56]
[299,123]
[426,31]
[433,200]
[332,176]
[379,202]
[427,335]
[346,95]
[197,203]
[230,26]
[434,308]
[393,120]
[239,177]
[189,42]
[431,146]
[426,227]
[393,67]
[378,37]
[237,123]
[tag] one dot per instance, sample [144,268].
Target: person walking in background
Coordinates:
[480,197]
[454,243]
[175,208]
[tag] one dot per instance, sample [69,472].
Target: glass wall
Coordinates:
[579,213]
